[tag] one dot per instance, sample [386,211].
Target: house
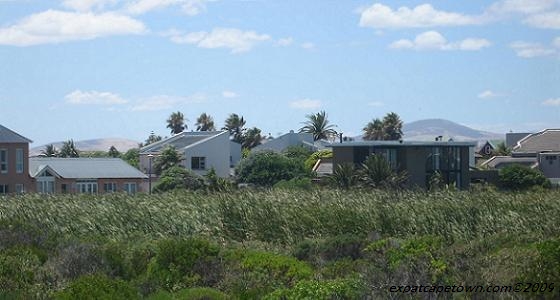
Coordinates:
[513,137]
[549,164]
[201,151]
[290,139]
[486,149]
[498,162]
[420,160]
[14,162]
[84,175]
[543,141]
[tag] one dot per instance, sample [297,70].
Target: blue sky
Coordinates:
[86,69]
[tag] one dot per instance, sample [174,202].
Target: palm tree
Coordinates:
[69,149]
[373,130]
[319,126]
[252,138]
[152,138]
[392,127]
[234,124]
[113,152]
[501,150]
[176,123]
[205,123]
[50,151]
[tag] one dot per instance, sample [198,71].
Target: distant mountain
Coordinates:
[122,145]
[429,129]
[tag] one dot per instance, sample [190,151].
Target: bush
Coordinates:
[266,168]
[97,287]
[178,177]
[518,177]
[299,153]
[325,289]
[330,249]
[314,157]
[344,176]
[18,268]
[294,183]
[183,263]
[377,172]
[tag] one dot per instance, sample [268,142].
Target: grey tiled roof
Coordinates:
[9,136]
[546,140]
[85,168]
[502,161]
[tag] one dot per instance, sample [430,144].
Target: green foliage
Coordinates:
[168,158]
[177,177]
[344,176]
[205,123]
[98,287]
[69,150]
[332,248]
[18,268]
[182,263]
[132,157]
[215,183]
[234,125]
[266,168]
[390,128]
[252,138]
[318,125]
[315,156]
[518,177]
[152,138]
[176,122]
[299,153]
[322,290]
[376,172]
[294,183]
[501,150]
[113,152]
[245,152]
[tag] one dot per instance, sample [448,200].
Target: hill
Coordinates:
[428,129]
[104,144]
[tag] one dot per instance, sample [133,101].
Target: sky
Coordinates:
[85,69]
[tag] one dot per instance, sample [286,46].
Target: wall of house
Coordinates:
[235,153]
[216,153]
[72,189]
[342,155]
[549,164]
[415,159]
[12,178]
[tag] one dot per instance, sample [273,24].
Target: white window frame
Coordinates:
[19,161]
[45,185]
[127,187]
[3,160]
[87,186]
[112,185]
[4,189]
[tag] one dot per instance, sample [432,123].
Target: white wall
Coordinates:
[215,150]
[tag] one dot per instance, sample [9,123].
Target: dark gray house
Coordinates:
[419,159]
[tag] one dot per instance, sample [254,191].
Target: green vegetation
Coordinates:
[276,243]
[266,168]
[518,177]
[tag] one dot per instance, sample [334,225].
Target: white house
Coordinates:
[201,151]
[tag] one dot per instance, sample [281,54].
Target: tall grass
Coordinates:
[287,217]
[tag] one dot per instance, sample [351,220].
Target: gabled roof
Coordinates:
[401,144]
[84,168]
[546,140]
[182,141]
[9,136]
[286,140]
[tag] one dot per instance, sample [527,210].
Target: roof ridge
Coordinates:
[2,127]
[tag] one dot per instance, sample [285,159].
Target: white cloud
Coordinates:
[87,5]
[551,102]
[231,38]
[308,46]
[229,94]
[488,94]
[521,6]
[285,42]
[163,102]
[382,16]
[530,50]
[306,104]
[549,20]
[94,97]
[433,40]
[54,26]
[189,7]
[376,104]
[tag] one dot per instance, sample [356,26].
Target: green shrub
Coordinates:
[344,176]
[266,168]
[200,293]
[19,266]
[98,287]
[178,177]
[518,177]
[314,157]
[321,290]
[294,183]
[332,248]
[184,263]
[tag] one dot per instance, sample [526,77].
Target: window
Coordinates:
[19,160]
[130,188]
[3,161]
[19,188]
[86,187]
[446,161]
[110,187]
[198,163]
[45,186]
[3,189]
[64,188]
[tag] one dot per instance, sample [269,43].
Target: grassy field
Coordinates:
[345,244]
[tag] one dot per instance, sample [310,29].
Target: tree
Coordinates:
[113,152]
[205,123]
[176,122]
[69,149]
[177,177]
[343,176]
[168,158]
[152,138]
[373,131]
[267,167]
[319,126]
[234,124]
[50,151]
[518,177]
[392,127]
[132,157]
[252,138]
[501,150]
[377,172]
